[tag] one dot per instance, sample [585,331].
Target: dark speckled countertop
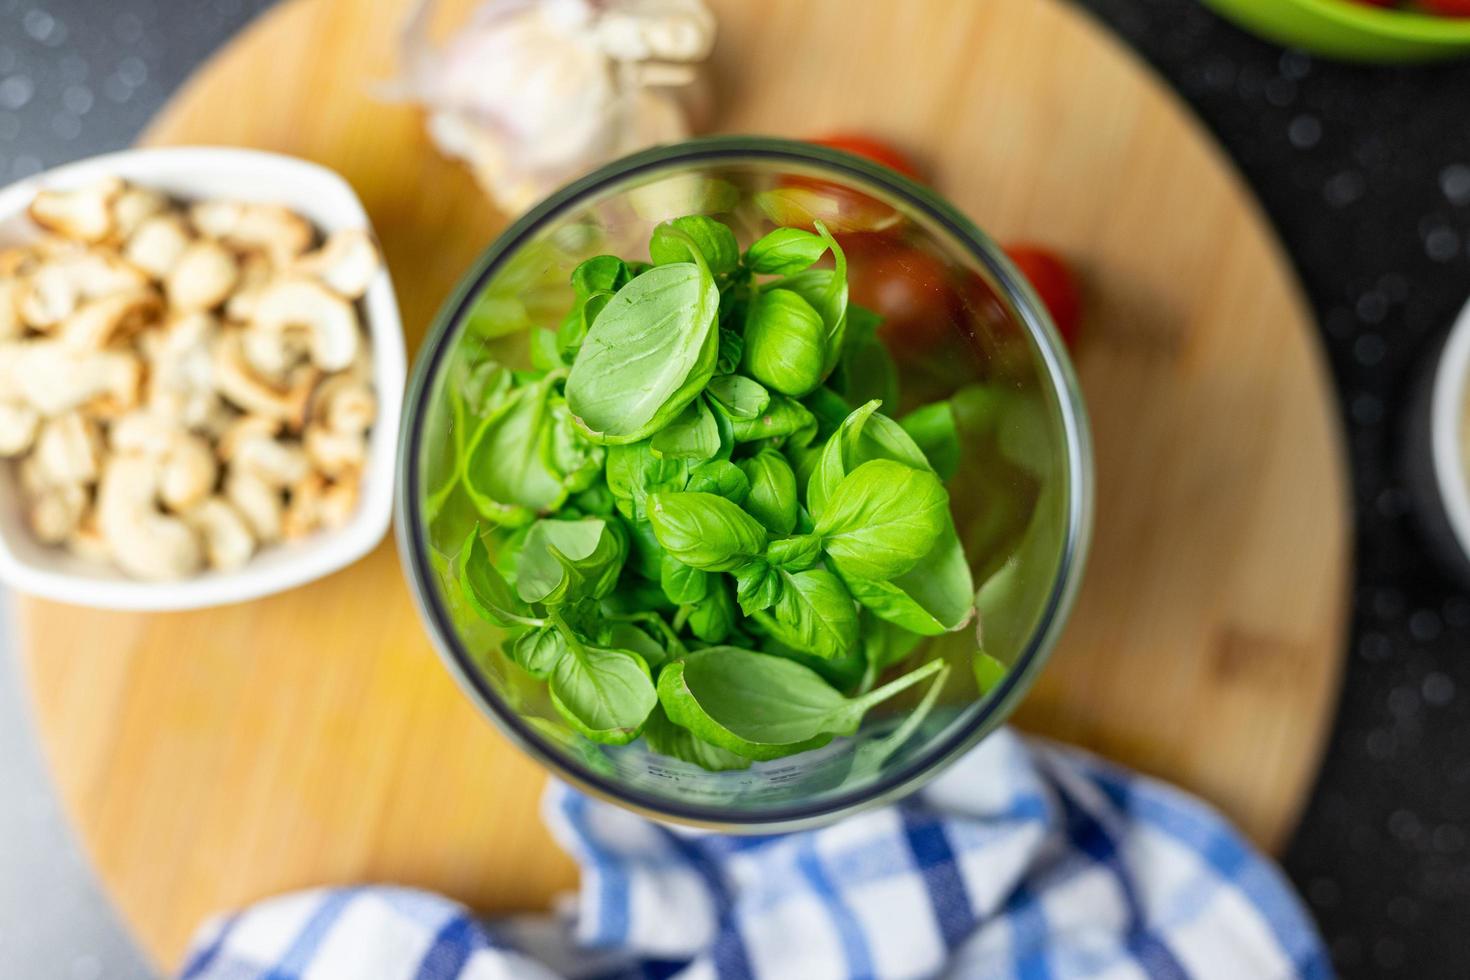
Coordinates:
[1366,175]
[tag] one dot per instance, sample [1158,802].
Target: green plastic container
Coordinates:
[1351,31]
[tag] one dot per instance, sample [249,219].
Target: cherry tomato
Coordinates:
[876,150]
[1054,283]
[908,287]
[1447,8]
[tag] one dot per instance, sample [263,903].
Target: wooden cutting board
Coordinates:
[212,758]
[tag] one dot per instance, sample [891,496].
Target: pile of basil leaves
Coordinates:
[701,529]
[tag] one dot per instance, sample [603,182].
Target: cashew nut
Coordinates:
[84,213]
[240,385]
[280,233]
[181,371]
[273,356]
[56,511]
[54,378]
[344,405]
[68,450]
[346,263]
[143,540]
[86,540]
[339,500]
[203,276]
[248,448]
[134,206]
[330,322]
[11,324]
[103,322]
[57,286]
[157,245]
[334,453]
[258,502]
[18,424]
[255,275]
[228,540]
[186,465]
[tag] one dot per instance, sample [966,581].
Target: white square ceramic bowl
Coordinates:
[330,203]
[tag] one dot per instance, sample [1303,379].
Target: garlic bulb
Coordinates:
[533,93]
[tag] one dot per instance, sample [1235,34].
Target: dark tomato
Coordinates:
[909,288]
[1054,283]
[873,149]
[1447,8]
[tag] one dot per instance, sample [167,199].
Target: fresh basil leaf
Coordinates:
[757,586]
[667,738]
[705,531]
[507,475]
[693,435]
[782,418]
[866,369]
[826,291]
[600,274]
[989,672]
[603,693]
[863,436]
[884,644]
[539,651]
[882,519]
[764,707]
[935,596]
[634,471]
[829,409]
[682,584]
[648,354]
[785,342]
[722,477]
[934,430]
[715,241]
[565,560]
[741,397]
[573,329]
[796,553]
[785,251]
[731,349]
[567,452]
[486,590]
[595,501]
[772,497]
[871,756]
[843,673]
[712,617]
[626,636]
[646,554]
[816,614]
[545,350]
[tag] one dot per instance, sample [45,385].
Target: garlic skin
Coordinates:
[533,93]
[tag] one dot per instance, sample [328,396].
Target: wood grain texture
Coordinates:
[211,758]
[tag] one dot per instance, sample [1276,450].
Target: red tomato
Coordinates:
[909,288]
[876,150]
[1447,8]
[1054,283]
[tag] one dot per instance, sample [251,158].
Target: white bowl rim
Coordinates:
[1447,417]
[321,554]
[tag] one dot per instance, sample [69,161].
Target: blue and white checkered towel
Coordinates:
[1022,860]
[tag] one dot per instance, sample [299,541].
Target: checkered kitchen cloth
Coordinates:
[1023,860]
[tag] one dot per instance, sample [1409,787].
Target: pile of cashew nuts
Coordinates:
[183,384]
